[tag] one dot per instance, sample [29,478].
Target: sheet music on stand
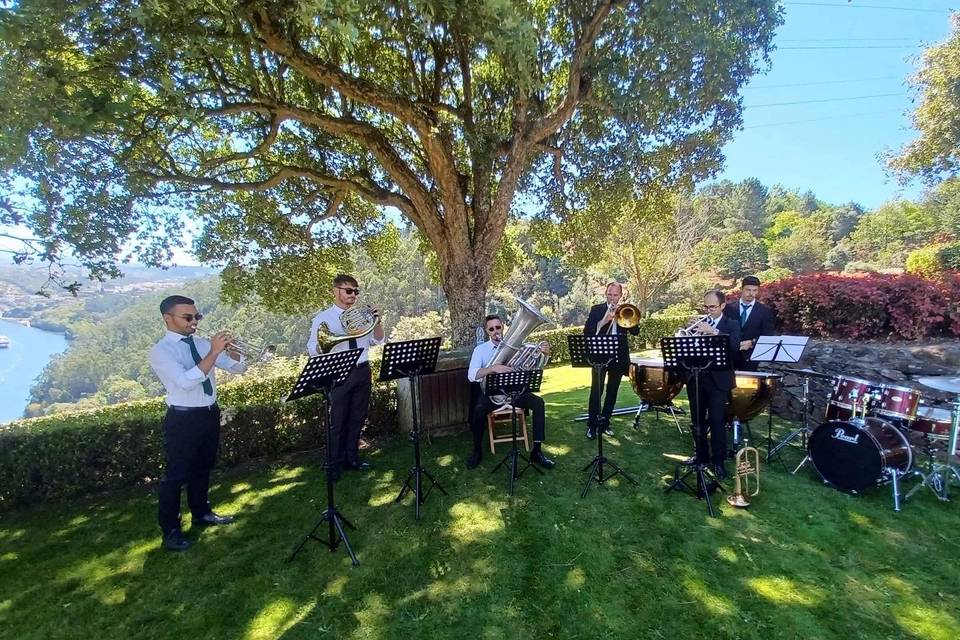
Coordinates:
[514,382]
[405,359]
[327,369]
[684,354]
[787,349]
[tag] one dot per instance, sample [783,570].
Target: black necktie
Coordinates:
[744,310]
[207,386]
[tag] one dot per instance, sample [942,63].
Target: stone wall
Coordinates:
[898,363]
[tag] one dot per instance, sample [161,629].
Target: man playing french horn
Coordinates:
[350,400]
[482,355]
[603,321]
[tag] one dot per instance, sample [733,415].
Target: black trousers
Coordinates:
[350,403]
[191,439]
[709,410]
[483,406]
[614,376]
[743,362]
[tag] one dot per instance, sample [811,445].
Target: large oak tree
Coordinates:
[294,128]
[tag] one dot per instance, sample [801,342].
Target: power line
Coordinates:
[784,104]
[879,46]
[850,5]
[841,117]
[845,39]
[821,82]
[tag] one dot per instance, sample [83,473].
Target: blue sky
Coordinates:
[836,52]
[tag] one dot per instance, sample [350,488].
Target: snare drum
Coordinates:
[854,455]
[846,392]
[652,383]
[897,402]
[933,421]
[752,395]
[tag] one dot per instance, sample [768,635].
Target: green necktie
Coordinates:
[207,386]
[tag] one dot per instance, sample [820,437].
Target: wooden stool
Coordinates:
[502,416]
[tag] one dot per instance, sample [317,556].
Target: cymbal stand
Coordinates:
[801,432]
[940,473]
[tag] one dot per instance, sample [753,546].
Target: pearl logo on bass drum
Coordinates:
[840,434]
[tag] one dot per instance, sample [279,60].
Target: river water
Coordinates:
[20,364]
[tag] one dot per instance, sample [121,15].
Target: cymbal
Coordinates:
[810,373]
[950,384]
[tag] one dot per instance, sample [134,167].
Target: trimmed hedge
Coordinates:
[867,306]
[651,330]
[66,455]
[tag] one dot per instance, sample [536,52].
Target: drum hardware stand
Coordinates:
[413,359]
[599,352]
[513,385]
[672,410]
[941,472]
[695,355]
[793,435]
[321,375]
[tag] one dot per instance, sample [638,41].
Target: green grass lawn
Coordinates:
[804,561]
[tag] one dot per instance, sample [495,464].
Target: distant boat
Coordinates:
[4,342]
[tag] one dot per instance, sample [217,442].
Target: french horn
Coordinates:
[357,322]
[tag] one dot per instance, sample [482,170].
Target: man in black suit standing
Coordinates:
[755,319]
[601,321]
[709,406]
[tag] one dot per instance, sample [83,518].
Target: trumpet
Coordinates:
[690,331]
[251,351]
[747,473]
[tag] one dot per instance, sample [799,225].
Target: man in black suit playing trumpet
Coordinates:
[602,321]
[709,406]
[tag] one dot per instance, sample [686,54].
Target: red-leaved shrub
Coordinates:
[866,306]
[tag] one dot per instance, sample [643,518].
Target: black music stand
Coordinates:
[413,359]
[694,355]
[513,385]
[787,350]
[320,375]
[600,352]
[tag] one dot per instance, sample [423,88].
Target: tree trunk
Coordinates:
[465,284]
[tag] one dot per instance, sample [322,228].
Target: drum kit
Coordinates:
[872,433]
[875,433]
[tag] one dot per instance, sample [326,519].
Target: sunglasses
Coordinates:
[498,327]
[350,290]
[188,316]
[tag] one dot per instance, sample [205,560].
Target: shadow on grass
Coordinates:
[804,561]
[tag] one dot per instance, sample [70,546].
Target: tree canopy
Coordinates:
[294,128]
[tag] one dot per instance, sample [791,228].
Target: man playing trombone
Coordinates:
[191,427]
[603,321]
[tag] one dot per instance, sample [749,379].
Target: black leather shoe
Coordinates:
[607,431]
[211,519]
[474,459]
[720,471]
[174,541]
[590,434]
[360,465]
[541,460]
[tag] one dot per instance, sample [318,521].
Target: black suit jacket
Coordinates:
[597,312]
[762,322]
[726,380]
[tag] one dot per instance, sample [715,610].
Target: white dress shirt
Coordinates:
[610,329]
[331,316]
[482,355]
[173,363]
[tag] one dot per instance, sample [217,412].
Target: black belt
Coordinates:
[209,407]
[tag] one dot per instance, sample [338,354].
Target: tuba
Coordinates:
[512,351]
[747,476]
[357,322]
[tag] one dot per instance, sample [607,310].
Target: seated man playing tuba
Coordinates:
[480,368]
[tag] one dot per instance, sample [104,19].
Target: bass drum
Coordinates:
[853,455]
[652,383]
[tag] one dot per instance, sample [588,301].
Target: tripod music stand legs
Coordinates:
[514,456]
[417,471]
[596,468]
[331,515]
